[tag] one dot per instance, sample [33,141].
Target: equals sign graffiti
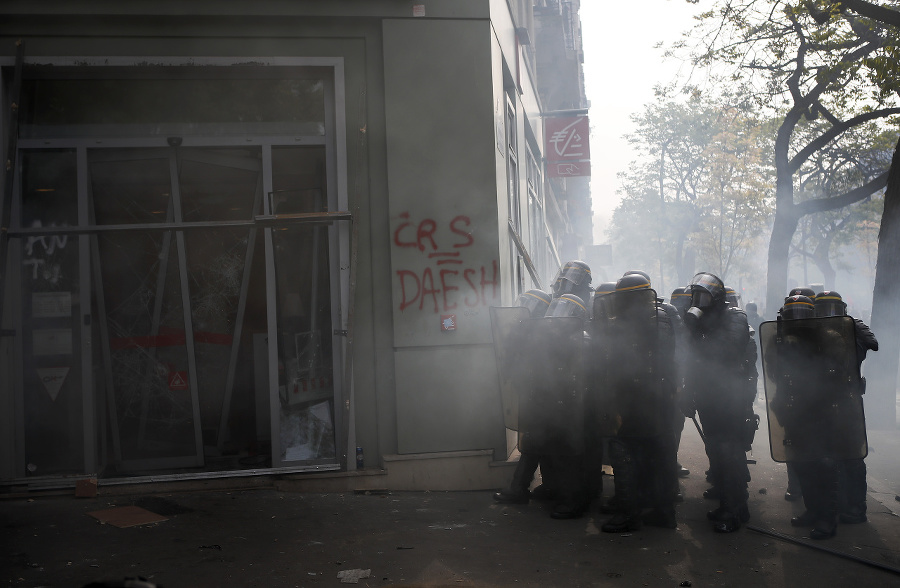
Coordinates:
[445,257]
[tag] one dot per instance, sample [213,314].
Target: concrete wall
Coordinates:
[445,261]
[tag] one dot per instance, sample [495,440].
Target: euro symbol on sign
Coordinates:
[567,138]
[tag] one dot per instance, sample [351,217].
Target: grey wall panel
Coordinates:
[442,179]
[447,400]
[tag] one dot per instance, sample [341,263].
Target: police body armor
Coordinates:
[541,365]
[626,395]
[813,389]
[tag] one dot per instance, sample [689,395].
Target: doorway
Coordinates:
[147,288]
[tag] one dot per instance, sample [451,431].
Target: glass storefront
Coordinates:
[156,269]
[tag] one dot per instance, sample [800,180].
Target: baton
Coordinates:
[699,430]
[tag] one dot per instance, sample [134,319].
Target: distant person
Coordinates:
[753,317]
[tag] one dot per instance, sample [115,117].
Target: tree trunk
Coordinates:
[822,259]
[783,229]
[881,368]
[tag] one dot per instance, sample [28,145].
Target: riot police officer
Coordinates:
[574,277]
[568,466]
[851,472]
[814,414]
[537,302]
[716,388]
[793,493]
[680,299]
[636,339]
[542,380]
[753,316]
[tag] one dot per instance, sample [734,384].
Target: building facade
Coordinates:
[263,238]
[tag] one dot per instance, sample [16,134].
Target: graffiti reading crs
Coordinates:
[451,282]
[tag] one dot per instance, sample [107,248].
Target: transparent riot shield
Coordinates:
[625,399]
[551,407]
[813,392]
[510,327]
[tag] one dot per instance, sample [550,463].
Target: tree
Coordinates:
[883,71]
[697,194]
[857,157]
[810,61]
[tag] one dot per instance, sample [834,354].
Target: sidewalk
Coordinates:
[274,538]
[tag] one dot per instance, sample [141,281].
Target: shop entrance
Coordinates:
[150,293]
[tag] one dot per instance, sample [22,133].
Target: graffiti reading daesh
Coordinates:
[439,288]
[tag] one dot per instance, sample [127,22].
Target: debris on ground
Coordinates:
[353,576]
[126,516]
[86,488]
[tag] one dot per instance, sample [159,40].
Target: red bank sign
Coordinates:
[567,149]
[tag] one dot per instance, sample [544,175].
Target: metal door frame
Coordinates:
[339,234]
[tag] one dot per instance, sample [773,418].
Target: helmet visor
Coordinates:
[701,298]
[830,308]
[566,307]
[535,303]
[797,309]
[576,274]
[710,283]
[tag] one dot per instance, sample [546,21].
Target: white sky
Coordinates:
[621,66]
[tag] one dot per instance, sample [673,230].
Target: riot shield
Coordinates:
[626,396]
[510,327]
[813,392]
[551,406]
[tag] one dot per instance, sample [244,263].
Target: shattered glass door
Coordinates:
[171,303]
[303,272]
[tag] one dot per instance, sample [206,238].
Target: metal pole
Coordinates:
[699,430]
[861,560]
[15,97]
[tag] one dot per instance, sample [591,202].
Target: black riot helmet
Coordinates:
[604,288]
[707,290]
[573,278]
[830,303]
[751,308]
[801,291]
[638,272]
[707,295]
[633,281]
[798,307]
[681,300]
[567,305]
[732,298]
[536,301]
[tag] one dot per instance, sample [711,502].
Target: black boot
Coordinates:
[511,496]
[663,518]
[824,529]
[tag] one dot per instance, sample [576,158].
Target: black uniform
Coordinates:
[639,373]
[717,386]
[852,472]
